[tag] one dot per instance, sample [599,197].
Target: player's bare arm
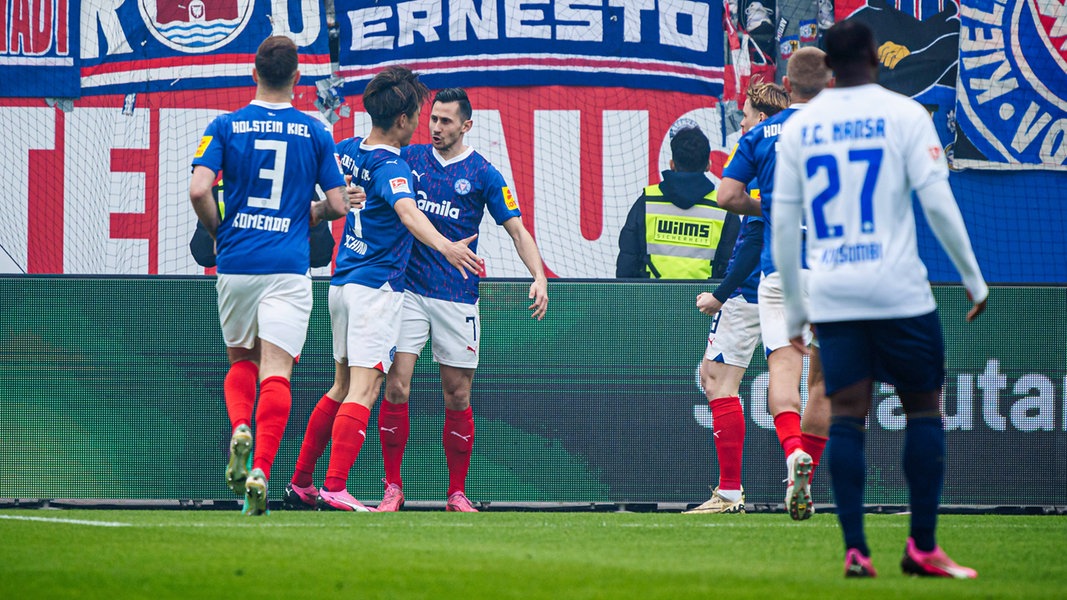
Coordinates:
[204,204]
[332,208]
[531,257]
[708,304]
[457,253]
[733,197]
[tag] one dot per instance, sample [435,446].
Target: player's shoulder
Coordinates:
[349,146]
[478,163]
[388,160]
[416,153]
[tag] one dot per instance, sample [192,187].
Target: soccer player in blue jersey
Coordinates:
[455,186]
[271,157]
[734,331]
[367,288]
[849,165]
[807,75]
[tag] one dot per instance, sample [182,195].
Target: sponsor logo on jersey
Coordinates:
[1013,80]
[462,186]
[399,185]
[204,143]
[509,199]
[444,209]
[196,26]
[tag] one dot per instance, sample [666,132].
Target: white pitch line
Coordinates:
[68,521]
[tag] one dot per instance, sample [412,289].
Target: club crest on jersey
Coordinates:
[399,184]
[196,26]
[462,186]
[1012,99]
[509,199]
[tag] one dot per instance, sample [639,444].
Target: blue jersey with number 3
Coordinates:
[271,156]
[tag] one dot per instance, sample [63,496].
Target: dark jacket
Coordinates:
[684,190]
[202,246]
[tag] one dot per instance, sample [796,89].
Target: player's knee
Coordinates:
[396,392]
[457,399]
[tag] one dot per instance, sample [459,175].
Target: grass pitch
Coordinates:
[214,554]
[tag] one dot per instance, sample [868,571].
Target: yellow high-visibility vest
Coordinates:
[681,242]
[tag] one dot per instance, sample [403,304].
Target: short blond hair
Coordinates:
[808,72]
[768,97]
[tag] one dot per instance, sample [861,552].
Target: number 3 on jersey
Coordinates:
[276,174]
[828,162]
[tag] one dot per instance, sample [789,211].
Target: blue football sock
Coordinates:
[848,470]
[924,468]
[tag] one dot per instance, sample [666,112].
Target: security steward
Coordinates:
[676,230]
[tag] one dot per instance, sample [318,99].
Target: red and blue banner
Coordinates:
[163,45]
[65,49]
[39,48]
[1012,93]
[672,45]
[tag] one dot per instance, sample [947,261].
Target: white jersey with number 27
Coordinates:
[853,157]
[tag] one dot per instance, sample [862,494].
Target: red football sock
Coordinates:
[272,414]
[813,445]
[239,390]
[316,436]
[394,428]
[458,440]
[729,421]
[787,425]
[349,433]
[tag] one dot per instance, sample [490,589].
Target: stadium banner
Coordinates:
[576,157]
[918,51]
[39,49]
[1012,91]
[667,45]
[134,46]
[600,402]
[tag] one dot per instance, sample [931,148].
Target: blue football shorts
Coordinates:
[907,353]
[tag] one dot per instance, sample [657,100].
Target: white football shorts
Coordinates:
[734,333]
[365,323]
[275,308]
[772,311]
[455,328]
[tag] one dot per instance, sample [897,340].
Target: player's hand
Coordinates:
[798,343]
[460,256]
[889,54]
[539,295]
[708,303]
[977,309]
[316,211]
[356,195]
